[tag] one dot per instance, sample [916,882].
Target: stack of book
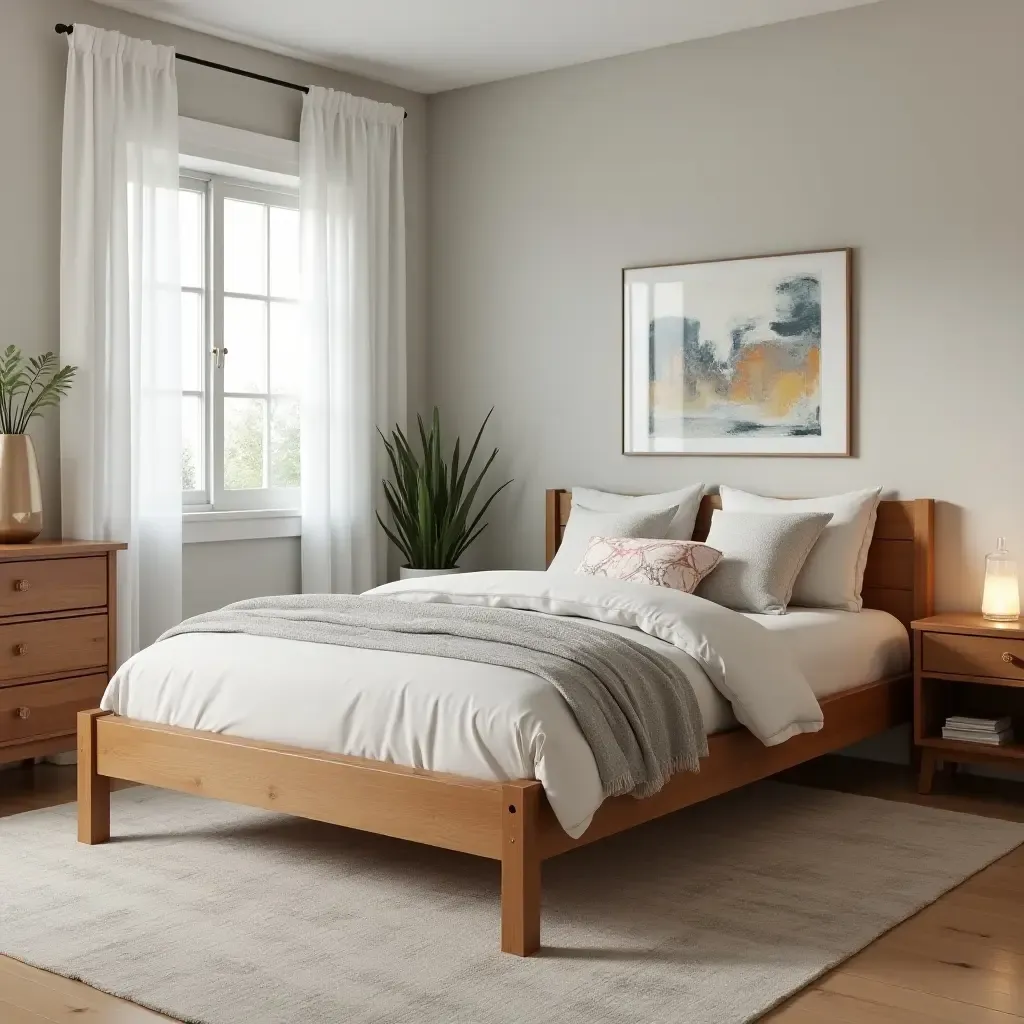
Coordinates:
[993,732]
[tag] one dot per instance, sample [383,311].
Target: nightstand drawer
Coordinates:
[54,647]
[955,654]
[52,585]
[39,710]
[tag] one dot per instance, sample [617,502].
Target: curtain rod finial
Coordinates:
[63,29]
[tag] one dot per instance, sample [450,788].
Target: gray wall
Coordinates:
[217,573]
[894,128]
[32,63]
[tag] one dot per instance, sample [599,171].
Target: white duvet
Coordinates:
[461,717]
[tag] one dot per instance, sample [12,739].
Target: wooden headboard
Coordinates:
[899,578]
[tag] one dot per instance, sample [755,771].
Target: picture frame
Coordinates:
[745,356]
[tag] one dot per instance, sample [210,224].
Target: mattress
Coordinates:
[452,716]
[840,650]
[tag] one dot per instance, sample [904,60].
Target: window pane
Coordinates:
[244,432]
[284,252]
[191,341]
[192,475]
[190,220]
[245,247]
[245,338]
[284,442]
[285,350]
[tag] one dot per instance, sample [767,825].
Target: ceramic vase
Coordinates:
[408,573]
[21,497]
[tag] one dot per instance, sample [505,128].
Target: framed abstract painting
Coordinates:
[738,357]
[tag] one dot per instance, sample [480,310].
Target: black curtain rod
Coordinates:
[68,29]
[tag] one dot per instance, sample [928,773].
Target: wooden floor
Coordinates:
[959,961]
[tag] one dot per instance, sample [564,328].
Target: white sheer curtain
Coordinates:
[352,217]
[120,427]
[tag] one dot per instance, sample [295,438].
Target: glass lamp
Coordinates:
[1001,598]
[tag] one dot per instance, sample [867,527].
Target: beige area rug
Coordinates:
[224,915]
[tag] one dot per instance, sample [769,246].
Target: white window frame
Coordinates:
[213,496]
[225,500]
[249,158]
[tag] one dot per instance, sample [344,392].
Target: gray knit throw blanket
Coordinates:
[635,707]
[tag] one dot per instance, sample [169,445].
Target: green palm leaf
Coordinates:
[38,383]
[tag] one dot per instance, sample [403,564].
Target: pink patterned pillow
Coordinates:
[676,564]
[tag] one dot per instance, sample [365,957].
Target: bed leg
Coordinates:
[93,789]
[520,868]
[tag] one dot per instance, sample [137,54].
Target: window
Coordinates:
[240,346]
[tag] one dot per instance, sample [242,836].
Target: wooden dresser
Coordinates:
[58,604]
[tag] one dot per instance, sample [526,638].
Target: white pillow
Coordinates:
[833,574]
[585,523]
[686,502]
[762,552]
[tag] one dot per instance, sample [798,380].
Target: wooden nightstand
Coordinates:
[966,665]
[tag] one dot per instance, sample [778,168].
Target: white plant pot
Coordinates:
[408,573]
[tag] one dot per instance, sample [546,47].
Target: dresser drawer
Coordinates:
[37,710]
[53,647]
[958,655]
[52,585]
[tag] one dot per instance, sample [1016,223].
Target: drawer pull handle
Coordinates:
[21,585]
[20,650]
[24,712]
[1008,657]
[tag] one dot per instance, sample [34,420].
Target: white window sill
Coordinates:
[252,524]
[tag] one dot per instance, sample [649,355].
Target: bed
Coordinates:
[858,665]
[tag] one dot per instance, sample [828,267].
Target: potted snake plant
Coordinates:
[431,500]
[28,387]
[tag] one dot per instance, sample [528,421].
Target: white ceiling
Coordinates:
[433,45]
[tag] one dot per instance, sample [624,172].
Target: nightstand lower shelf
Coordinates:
[935,749]
[953,749]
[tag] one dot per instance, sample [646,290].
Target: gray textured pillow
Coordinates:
[585,523]
[685,502]
[762,554]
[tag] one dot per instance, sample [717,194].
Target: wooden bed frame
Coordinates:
[510,822]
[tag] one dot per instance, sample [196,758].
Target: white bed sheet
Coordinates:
[452,716]
[839,650]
